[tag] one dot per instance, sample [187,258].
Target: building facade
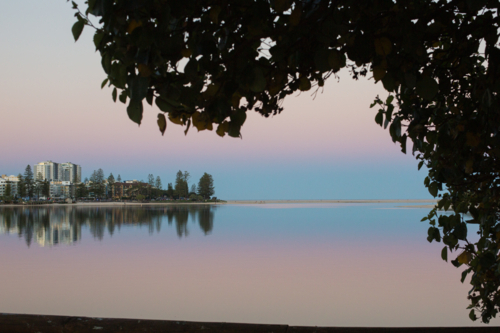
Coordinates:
[13,181]
[62,189]
[57,172]
[47,170]
[70,172]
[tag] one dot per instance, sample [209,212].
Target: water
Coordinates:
[296,264]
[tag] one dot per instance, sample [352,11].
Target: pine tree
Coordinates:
[97,186]
[119,179]
[170,190]
[21,186]
[93,183]
[46,188]
[37,187]
[151,183]
[158,184]
[100,182]
[186,177]
[111,185]
[180,185]
[8,190]
[81,191]
[206,186]
[29,181]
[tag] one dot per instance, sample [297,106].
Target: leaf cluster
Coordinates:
[207,62]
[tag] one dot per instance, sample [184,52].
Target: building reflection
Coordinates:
[55,225]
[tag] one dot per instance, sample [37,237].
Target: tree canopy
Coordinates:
[207,62]
[206,186]
[29,181]
[181,184]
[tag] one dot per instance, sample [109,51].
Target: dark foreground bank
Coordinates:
[62,324]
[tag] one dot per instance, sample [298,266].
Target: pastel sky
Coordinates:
[327,147]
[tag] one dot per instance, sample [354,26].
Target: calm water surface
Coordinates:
[297,264]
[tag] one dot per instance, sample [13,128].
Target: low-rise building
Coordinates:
[62,189]
[13,181]
[128,188]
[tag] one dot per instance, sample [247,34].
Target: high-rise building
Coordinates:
[57,172]
[46,171]
[70,172]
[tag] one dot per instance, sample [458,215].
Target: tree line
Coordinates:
[98,186]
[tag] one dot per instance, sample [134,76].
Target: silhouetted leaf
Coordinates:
[162,123]
[77,29]
[134,110]
[444,253]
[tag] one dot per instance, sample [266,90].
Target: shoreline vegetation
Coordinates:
[70,324]
[34,189]
[424,203]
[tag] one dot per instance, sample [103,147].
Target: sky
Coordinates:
[52,108]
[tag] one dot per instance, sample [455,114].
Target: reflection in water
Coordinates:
[49,225]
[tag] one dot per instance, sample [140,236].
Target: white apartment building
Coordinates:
[61,189]
[53,171]
[10,178]
[4,180]
[46,171]
[70,172]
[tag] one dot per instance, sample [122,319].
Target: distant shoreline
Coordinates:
[233,202]
[236,202]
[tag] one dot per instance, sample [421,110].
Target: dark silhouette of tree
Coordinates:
[180,185]
[45,185]
[97,185]
[170,190]
[111,185]
[158,184]
[21,186]
[438,61]
[82,191]
[8,189]
[29,181]
[206,186]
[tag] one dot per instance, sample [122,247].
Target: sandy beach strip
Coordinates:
[402,201]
